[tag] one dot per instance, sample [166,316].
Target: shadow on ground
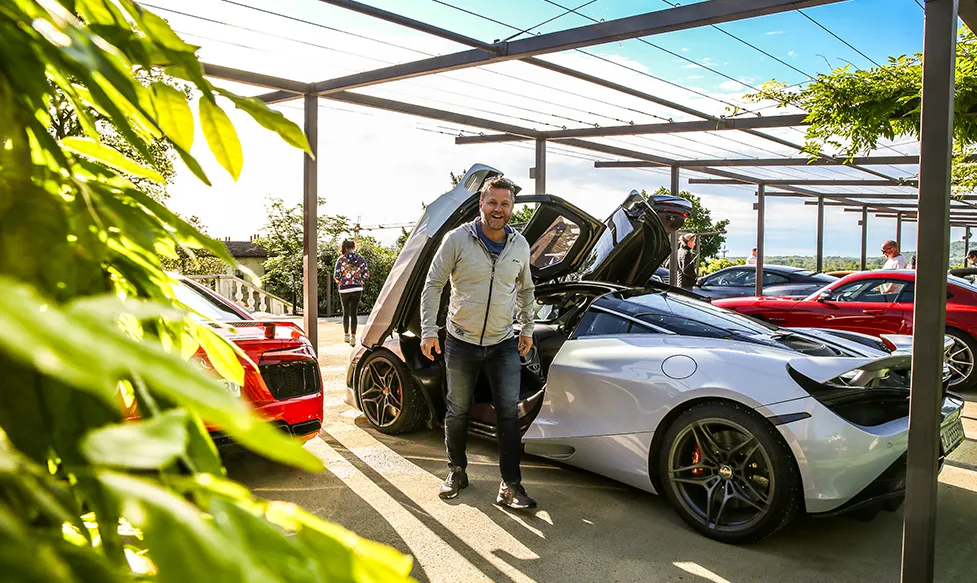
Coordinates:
[593,529]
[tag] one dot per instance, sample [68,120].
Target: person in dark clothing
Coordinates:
[686,262]
[350,274]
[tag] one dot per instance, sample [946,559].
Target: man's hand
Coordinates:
[429,346]
[525,343]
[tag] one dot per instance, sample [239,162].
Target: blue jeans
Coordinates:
[501,366]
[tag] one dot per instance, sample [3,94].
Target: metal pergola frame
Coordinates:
[932,211]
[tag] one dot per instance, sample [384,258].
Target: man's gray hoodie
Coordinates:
[486,296]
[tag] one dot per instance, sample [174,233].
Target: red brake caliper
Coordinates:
[696,458]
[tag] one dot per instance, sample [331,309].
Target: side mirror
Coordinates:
[700,281]
[825,297]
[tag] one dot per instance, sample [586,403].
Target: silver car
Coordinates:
[740,424]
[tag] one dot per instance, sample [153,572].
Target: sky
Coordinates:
[378,168]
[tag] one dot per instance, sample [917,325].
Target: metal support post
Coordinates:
[966,245]
[540,171]
[673,258]
[864,224]
[310,208]
[760,192]
[899,230]
[932,244]
[820,252]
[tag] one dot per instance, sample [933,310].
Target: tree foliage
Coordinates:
[716,263]
[90,325]
[700,221]
[850,111]
[283,238]
[456,178]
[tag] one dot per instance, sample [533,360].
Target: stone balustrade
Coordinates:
[245,294]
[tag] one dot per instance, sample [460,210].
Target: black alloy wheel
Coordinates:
[728,474]
[387,395]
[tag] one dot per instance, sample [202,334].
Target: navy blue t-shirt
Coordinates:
[493,247]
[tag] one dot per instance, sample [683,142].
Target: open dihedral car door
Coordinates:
[559,234]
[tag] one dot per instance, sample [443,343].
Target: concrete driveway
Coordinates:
[587,528]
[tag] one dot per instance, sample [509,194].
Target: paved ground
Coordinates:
[587,528]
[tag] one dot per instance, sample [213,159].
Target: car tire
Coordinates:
[749,474]
[384,382]
[964,346]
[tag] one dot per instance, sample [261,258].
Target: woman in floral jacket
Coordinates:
[350,274]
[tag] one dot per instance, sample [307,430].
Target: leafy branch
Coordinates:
[92,334]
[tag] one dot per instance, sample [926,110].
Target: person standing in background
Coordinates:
[686,262]
[350,274]
[751,260]
[894,259]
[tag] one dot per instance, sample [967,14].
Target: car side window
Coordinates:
[595,323]
[908,293]
[731,277]
[554,244]
[774,279]
[870,290]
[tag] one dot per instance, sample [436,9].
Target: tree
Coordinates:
[852,110]
[456,178]
[522,214]
[190,262]
[66,122]
[700,221]
[90,321]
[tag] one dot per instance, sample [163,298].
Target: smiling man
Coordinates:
[487,263]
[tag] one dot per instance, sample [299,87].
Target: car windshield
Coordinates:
[962,283]
[204,307]
[676,313]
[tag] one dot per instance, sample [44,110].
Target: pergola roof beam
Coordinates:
[370,101]
[428,112]
[647,24]
[279,96]
[755,162]
[776,121]
[891,205]
[411,23]
[814,182]
[293,88]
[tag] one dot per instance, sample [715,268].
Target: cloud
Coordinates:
[773,32]
[694,77]
[691,66]
[791,53]
[730,86]
[685,50]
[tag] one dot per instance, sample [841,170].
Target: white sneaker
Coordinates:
[352,340]
[346,338]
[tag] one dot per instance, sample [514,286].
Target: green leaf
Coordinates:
[266,544]
[143,445]
[110,157]
[270,119]
[221,136]
[193,165]
[352,558]
[201,449]
[221,354]
[94,356]
[173,114]
[182,544]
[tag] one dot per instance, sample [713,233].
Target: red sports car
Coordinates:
[286,388]
[876,303]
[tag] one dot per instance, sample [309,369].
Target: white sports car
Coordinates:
[740,424]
